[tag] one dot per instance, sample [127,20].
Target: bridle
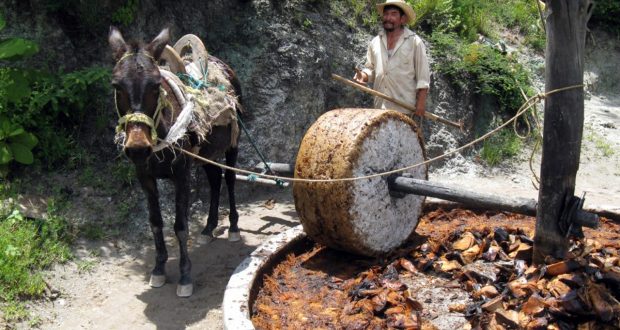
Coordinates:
[152,123]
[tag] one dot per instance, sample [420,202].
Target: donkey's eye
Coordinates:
[154,88]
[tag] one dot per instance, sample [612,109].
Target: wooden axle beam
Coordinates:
[472,199]
[518,205]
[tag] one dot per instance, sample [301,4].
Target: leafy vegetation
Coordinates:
[600,143]
[353,11]
[471,18]
[40,117]
[606,15]
[125,15]
[52,107]
[28,246]
[460,32]
[485,68]
[41,109]
[15,143]
[504,144]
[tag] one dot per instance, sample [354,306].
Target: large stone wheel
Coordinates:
[359,216]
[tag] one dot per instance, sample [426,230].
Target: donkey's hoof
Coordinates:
[157,281]
[234,236]
[185,291]
[205,239]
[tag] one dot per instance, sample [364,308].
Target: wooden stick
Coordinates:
[393,100]
[475,199]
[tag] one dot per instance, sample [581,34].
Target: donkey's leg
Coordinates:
[214,174]
[181,181]
[149,185]
[230,176]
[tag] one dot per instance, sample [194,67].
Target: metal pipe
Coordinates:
[281,168]
[268,182]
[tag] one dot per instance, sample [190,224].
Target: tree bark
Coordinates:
[563,121]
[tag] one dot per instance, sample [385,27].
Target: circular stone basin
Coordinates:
[247,279]
[442,299]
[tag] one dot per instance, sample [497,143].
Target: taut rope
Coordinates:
[524,108]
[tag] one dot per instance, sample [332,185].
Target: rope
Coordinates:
[204,84]
[542,17]
[536,181]
[526,106]
[128,54]
[139,117]
[260,154]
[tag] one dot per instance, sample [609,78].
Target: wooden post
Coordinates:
[563,123]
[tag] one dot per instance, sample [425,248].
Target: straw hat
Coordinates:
[400,4]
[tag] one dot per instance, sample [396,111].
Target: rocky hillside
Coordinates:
[283,51]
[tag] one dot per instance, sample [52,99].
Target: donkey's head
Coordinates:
[136,80]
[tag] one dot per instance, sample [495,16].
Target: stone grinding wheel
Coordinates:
[359,216]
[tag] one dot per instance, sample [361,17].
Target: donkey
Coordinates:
[146,104]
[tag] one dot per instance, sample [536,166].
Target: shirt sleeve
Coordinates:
[369,66]
[422,70]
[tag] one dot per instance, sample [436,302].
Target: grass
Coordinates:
[86,266]
[600,143]
[28,246]
[356,12]
[504,144]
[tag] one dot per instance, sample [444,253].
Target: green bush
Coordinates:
[483,67]
[606,15]
[504,144]
[125,15]
[52,106]
[489,73]
[15,142]
[469,18]
[354,12]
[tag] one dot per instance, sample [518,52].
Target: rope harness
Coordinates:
[139,117]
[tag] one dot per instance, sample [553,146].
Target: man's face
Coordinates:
[392,19]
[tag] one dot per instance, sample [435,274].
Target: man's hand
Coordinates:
[420,109]
[360,77]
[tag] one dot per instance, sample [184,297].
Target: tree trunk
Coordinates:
[563,123]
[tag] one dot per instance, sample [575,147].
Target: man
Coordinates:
[396,61]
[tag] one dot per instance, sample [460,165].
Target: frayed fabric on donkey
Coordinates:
[158,114]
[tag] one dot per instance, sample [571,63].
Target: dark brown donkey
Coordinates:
[138,82]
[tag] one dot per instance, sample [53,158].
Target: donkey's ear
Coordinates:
[117,43]
[156,47]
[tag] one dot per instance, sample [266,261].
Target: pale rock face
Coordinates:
[385,221]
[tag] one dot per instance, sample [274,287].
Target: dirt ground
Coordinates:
[106,286]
